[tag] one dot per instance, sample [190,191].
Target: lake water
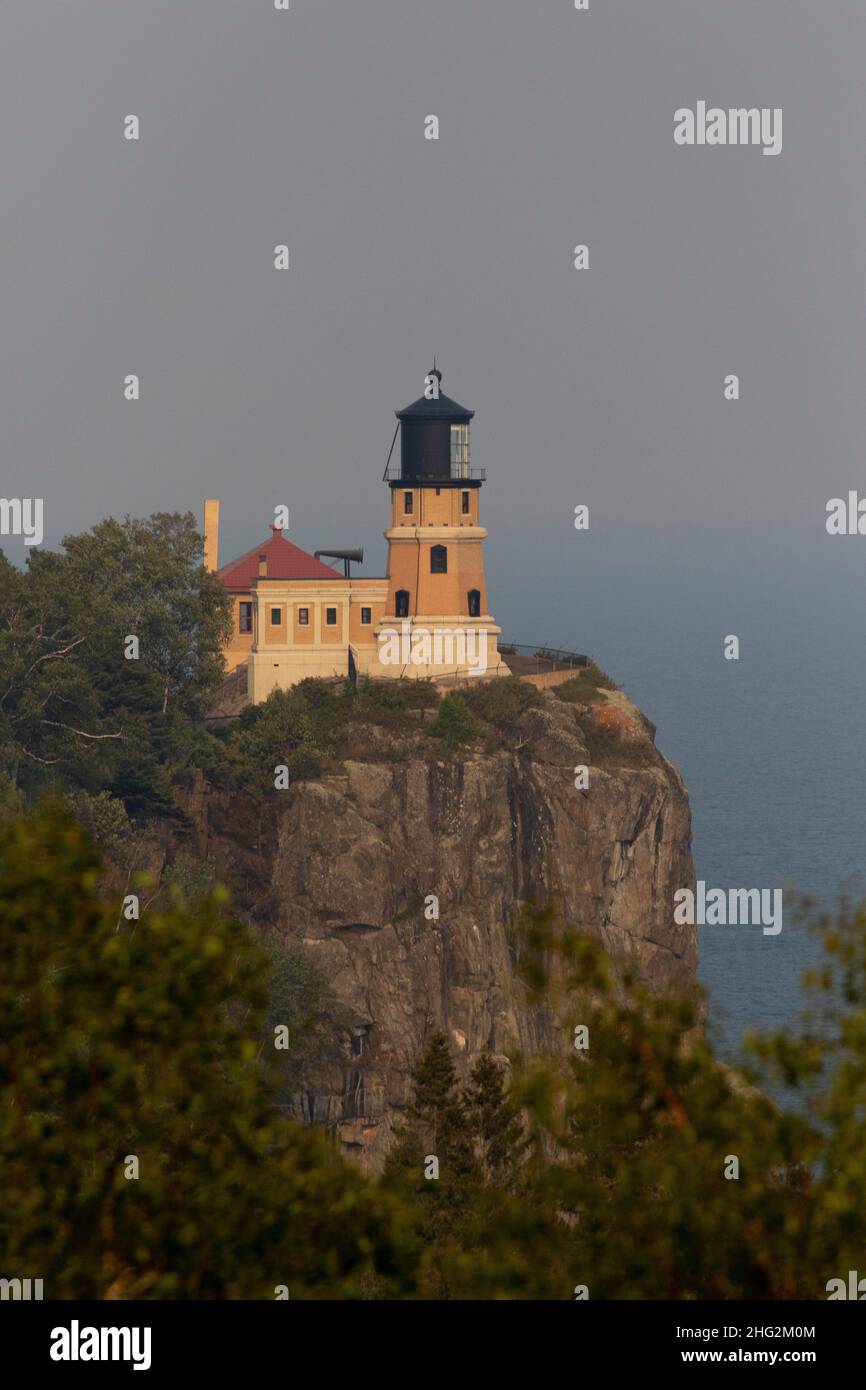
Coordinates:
[772,747]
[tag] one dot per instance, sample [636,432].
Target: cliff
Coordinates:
[346,862]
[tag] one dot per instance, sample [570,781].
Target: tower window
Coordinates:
[464,503]
[474,603]
[401,603]
[303,617]
[276,617]
[438,559]
[459,451]
[245,617]
[408,504]
[331,617]
[366,617]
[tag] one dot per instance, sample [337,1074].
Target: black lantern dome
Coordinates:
[434,445]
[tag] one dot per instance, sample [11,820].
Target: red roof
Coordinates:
[285,561]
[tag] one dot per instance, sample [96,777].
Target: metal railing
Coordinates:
[459,474]
[553,656]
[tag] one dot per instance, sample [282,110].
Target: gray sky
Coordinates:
[261,387]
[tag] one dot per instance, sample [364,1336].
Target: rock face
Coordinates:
[353,857]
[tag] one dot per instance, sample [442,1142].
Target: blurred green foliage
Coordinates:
[147,1042]
[153,1039]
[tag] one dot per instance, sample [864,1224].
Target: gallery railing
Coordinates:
[545,656]
[459,474]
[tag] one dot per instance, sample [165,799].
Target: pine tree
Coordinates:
[435,1086]
[434,1082]
[497,1120]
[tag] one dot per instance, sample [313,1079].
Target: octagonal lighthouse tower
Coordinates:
[436,620]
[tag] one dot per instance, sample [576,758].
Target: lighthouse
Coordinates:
[295,617]
[437,592]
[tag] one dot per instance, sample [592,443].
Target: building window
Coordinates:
[459,451]
[438,560]
[408,504]
[464,503]
[303,617]
[331,617]
[276,617]
[245,617]
[366,617]
[474,603]
[401,599]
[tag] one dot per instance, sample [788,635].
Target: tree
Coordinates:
[497,1121]
[300,1000]
[480,1240]
[435,1085]
[79,707]
[146,579]
[632,1145]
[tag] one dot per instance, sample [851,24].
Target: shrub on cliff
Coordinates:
[297,728]
[500,703]
[454,723]
[307,727]
[375,699]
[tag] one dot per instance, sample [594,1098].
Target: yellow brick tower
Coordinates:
[437,593]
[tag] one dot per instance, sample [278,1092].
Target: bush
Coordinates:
[387,702]
[454,723]
[299,728]
[398,693]
[501,702]
[307,727]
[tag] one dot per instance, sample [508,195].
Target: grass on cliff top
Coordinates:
[587,688]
